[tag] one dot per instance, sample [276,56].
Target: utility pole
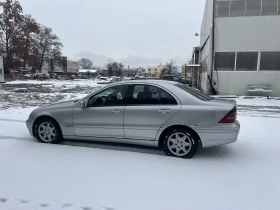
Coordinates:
[185,74]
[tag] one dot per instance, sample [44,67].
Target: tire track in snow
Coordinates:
[13,203]
[11,120]
[17,138]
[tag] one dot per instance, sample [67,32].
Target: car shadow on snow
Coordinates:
[219,152]
[225,151]
[115,146]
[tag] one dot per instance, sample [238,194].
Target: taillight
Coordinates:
[230,117]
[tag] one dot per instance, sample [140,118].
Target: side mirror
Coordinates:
[83,104]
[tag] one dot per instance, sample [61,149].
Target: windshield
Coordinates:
[194,92]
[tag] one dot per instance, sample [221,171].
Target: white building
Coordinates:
[246,45]
[1,70]
[72,66]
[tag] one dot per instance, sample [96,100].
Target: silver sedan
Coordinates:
[157,113]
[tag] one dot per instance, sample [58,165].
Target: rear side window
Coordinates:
[150,95]
[194,92]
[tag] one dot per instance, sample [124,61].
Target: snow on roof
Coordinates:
[87,70]
[193,65]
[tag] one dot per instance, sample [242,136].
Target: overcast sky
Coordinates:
[135,32]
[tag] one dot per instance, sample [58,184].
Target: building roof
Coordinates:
[193,65]
[87,70]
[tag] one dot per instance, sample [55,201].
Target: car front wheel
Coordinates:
[47,131]
[180,142]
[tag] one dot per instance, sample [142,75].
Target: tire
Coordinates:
[47,130]
[179,142]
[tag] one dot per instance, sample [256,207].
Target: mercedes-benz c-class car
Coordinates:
[158,113]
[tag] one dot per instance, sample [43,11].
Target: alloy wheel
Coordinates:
[47,132]
[179,144]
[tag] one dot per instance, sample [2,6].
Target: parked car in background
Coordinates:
[175,79]
[158,113]
[127,78]
[103,80]
[27,76]
[115,79]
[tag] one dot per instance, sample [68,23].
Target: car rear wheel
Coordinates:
[47,131]
[180,142]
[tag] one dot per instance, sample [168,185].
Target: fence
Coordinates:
[8,77]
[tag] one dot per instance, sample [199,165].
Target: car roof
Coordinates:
[155,82]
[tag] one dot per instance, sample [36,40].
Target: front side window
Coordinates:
[150,95]
[224,61]
[270,61]
[247,61]
[176,79]
[112,96]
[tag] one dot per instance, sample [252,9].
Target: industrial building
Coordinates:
[240,46]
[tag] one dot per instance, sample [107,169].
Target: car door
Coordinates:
[148,108]
[103,114]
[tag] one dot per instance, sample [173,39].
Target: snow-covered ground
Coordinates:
[93,176]
[32,93]
[243,175]
[85,82]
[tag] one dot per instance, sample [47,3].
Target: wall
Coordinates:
[72,66]
[206,24]
[159,69]
[152,70]
[247,33]
[206,44]
[47,67]
[236,83]
[257,33]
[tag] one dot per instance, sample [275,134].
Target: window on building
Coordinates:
[224,61]
[269,7]
[237,8]
[253,7]
[222,9]
[247,61]
[270,61]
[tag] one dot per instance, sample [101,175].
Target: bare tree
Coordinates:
[28,31]
[49,46]
[114,67]
[170,68]
[86,63]
[11,18]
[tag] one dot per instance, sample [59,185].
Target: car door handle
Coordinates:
[117,111]
[164,111]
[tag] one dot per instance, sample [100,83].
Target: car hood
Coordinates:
[59,105]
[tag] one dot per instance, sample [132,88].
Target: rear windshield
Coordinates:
[194,92]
